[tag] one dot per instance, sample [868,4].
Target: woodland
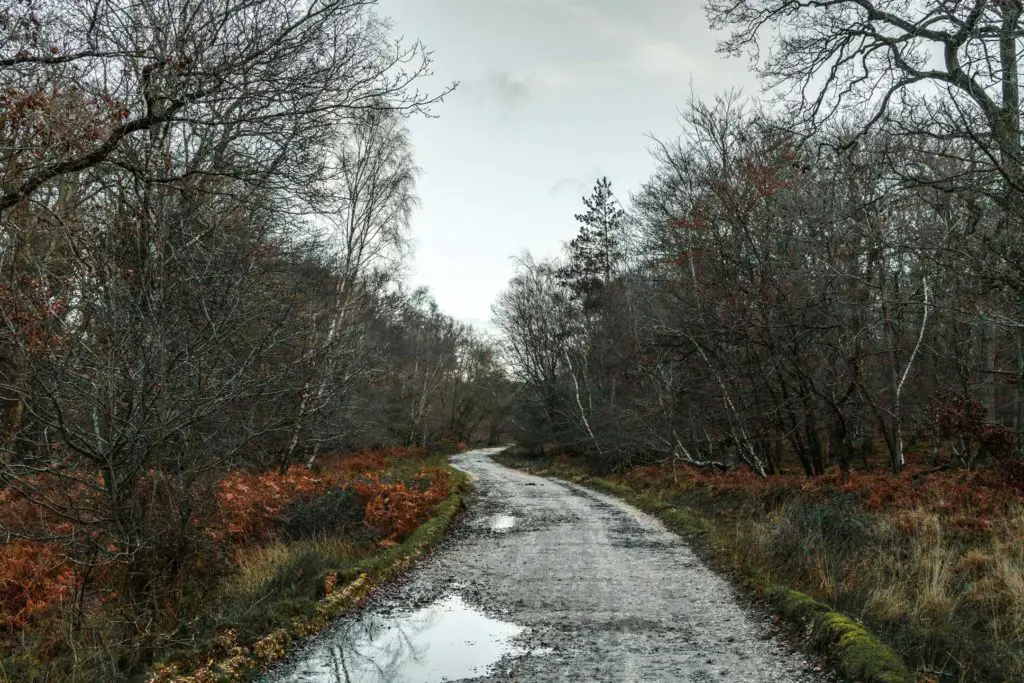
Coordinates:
[205,220]
[807,322]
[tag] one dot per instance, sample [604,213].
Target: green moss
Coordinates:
[861,656]
[794,604]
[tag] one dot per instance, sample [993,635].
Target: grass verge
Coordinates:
[858,654]
[286,591]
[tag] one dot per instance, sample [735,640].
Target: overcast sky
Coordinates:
[553,94]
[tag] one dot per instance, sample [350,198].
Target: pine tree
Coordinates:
[595,253]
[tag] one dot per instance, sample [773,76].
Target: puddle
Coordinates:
[445,641]
[502,522]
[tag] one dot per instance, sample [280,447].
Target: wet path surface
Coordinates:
[547,581]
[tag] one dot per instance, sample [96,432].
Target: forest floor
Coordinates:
[543,580]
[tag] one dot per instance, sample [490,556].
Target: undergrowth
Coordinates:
[279,553]
[286,591]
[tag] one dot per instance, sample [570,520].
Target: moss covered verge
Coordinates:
[858,655]
[310,585]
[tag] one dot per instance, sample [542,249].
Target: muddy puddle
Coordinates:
[444,641]
[501,523]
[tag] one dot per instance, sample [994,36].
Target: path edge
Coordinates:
[246,663]
[857,654]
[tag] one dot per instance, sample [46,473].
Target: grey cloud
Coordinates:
[515,89]
[510,90]
[577,185]
[566,184]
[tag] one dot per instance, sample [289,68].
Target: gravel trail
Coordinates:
[548,581]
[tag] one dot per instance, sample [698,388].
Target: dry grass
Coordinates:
[259,566]
[951,603]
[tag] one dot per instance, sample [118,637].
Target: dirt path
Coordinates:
[547,581]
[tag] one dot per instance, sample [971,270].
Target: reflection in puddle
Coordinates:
[445,641]
[502,522]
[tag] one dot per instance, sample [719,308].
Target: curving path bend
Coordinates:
[547,581]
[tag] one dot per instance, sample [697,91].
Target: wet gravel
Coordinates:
[599,590]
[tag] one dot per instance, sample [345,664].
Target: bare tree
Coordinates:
[275,77]
[946,68]
[943,73]
[372,192]
[170,308]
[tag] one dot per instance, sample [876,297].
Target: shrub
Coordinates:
[260,534]
[393,510]
[250,503]
[838,524]
[33,577]
[337,510]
